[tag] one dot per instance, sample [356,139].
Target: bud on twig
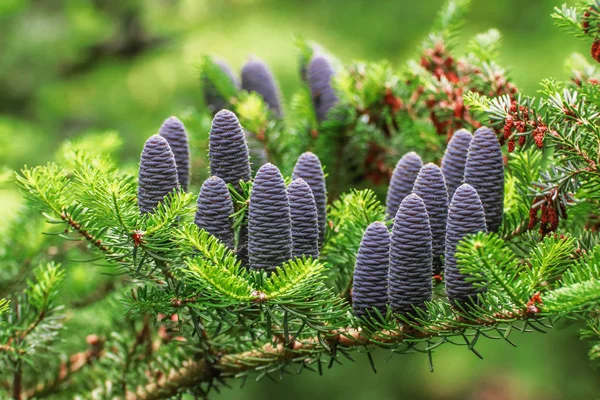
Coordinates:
[484,170]
[308,167]
[305,221]
[402,182]
[431,187]
[320,75]
[215,209]
[465,217]
[174,131]
[370,289]
[257,77]
[269,220]
[455,157]
[410,257]
[157,175]
[228,151]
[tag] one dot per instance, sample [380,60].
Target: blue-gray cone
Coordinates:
[308,167]
[269,220]
[484,171]
[320,75]
[257,77]
[410,257]
[455,157]
[305,221]
[465,217]
[228,151]
[215,209]
[174,131]
[402,181]
[158,173]
[431,187]
[371,271]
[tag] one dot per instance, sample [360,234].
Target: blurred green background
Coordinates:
[72,66]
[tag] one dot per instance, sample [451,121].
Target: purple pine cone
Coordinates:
[431,187]
[257,77]
[212,98]
[455,157]
[228,151]
[484,171]
[320,75]
[174,131]
[371,271]
[410,257]
[402,182]
[158,173]
[465,217]
[269,220]
[305,222]
[308,167]
[214,210]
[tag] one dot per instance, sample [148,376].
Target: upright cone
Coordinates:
[402,182]
[305,221]
[157,175]
[215,209]
[455,157]
[370,289]
[320,75]
[465,217]
[410,257]
[308,167]
[269,220]
[257,77]
[228,151]
[484,171]
[174,131]
[431,187]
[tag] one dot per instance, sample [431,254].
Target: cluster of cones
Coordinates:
[432,209]
[282,222]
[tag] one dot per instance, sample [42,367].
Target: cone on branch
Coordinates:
[269,220]
[431,188]
[409,284]
[228,150]
[157,175]
[215,209]
[484,170]
[465,217]
[370,290]
[305,221]
[320,76]
[174,131]
[257,77]
[455,157]
[308,167]
[402,181]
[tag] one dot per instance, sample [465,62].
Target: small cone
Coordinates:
[174,131]
[402,182]
[257,77]
[455,157]
[269,220]
[320,75]
[157,175]
[370,272]
[215,209]
[305,221]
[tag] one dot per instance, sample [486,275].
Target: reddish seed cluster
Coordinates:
[547,211]
[534,303]
[448,113]
[517,123]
